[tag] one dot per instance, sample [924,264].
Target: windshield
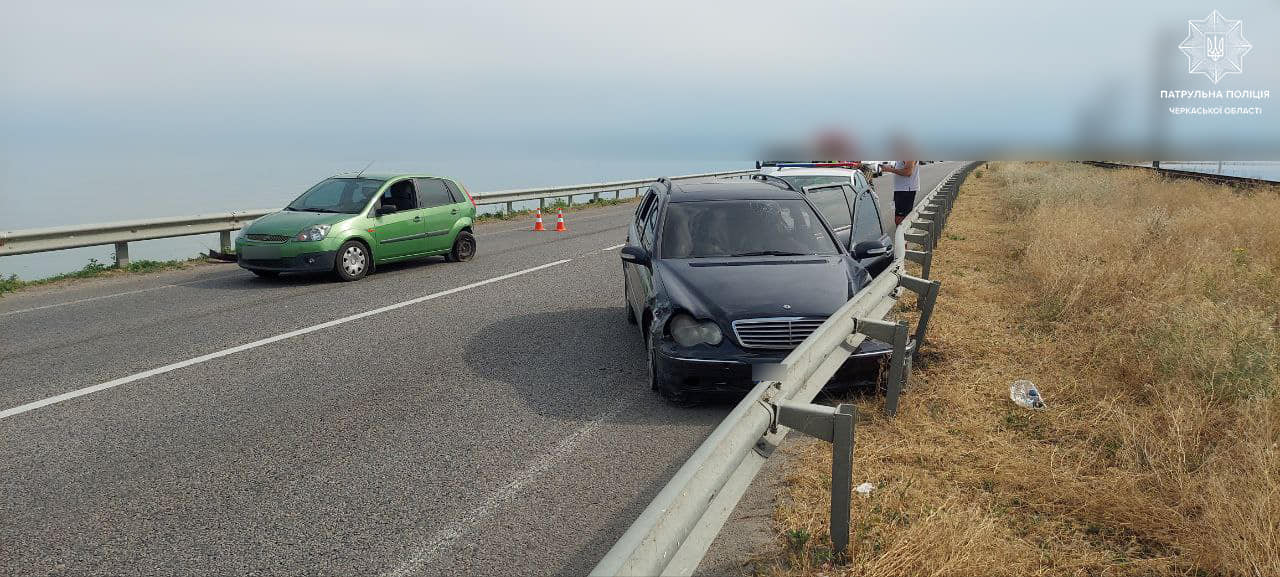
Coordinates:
[726,228]
[798,182]
[347,195]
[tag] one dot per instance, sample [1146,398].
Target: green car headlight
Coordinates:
[313,233]
[688,331]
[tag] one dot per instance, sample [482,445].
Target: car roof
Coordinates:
[385,175]
[809,171]
[728,189]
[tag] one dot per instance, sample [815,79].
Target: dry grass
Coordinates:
[1147,312]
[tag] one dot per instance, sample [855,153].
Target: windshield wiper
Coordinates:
[319,210]
[770,253]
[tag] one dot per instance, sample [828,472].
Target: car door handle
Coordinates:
[417,219]
[454,211]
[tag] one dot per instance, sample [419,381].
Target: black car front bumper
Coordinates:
[306,262]
[733,373]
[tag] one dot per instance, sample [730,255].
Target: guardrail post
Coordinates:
[899,364]
[926,297]
[841,474]
[122,254]
[224,242]
[921,238]
[922,257]
[835,426]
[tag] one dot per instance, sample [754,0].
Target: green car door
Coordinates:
[440,211]
[401,233]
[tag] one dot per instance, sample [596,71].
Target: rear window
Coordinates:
[729,228]
[834,205]
[798,182]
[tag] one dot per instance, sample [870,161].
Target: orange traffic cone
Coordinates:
[537,222]
[560,220]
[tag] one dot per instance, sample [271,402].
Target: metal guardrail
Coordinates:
[673,533]
[1217,178]
[122,233]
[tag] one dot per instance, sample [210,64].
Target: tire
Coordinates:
[265,273]
[352,262]
[464,247]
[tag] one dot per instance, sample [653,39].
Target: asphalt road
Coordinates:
[488,417]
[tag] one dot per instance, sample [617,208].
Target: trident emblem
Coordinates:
[1215,46]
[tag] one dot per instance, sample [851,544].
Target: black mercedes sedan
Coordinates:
[723,275]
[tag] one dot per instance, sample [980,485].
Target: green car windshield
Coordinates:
[343,195]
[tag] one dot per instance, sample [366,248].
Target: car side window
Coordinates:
[432,192]
[402,195]
[455,192]
[650,226]
[645,206]
[867,215]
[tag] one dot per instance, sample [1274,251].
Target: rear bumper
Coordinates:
[305,262]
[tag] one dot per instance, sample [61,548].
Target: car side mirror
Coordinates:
[635,255]
[869,248]
[387,209]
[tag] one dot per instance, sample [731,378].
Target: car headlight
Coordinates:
[688,331]
[313,232]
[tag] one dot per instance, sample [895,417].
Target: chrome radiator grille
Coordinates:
[775,333]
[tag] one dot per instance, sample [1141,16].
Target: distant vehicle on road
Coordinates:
[726,274]
[350,224]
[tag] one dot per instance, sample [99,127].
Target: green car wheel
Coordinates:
[352,262]
[464,247]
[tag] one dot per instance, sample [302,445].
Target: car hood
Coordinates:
[740,288]
[289,223]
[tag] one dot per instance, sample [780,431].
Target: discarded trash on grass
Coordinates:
[1024,393]
[865,488]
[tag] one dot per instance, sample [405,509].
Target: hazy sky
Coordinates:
[145,108]
[678,78]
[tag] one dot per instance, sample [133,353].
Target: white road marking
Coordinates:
[113,295]
[255,344]
[425,557]
[614,246]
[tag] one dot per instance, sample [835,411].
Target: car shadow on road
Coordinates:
[576,363]
[248,281]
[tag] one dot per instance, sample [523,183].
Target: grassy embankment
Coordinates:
[1148,313]
[95,269]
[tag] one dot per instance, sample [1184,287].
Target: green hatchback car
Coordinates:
[349,224]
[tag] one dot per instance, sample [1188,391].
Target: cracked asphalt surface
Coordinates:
[501,429]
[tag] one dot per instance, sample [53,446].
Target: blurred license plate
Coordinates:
[250,251]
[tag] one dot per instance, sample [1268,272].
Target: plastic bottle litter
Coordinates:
[1024,393]
[865,488]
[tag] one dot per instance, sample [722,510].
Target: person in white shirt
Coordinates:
[906,182]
